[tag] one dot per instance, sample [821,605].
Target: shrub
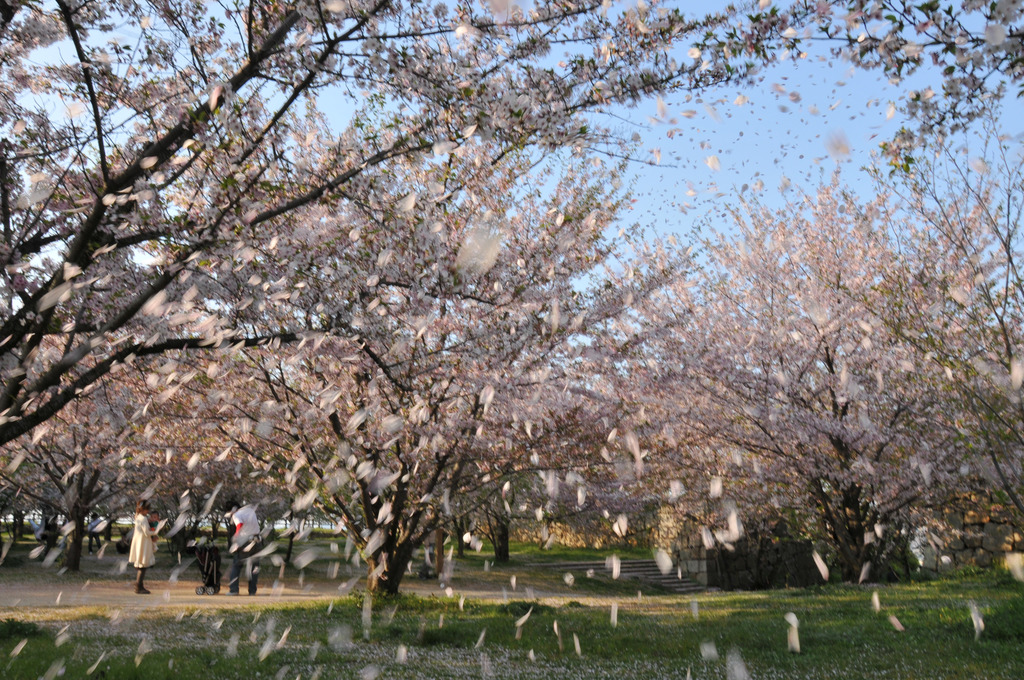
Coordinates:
[13,629]
[1006,621]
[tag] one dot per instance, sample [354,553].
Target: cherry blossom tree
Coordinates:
[75,464]
[964,311]
[967,52]
[154,153]
[465,331]
[782,363]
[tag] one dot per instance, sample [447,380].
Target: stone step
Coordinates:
[641,570]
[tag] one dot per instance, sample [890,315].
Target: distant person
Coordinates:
[38,530]
[245,544]
[142,553]
[94,529]
[45,531]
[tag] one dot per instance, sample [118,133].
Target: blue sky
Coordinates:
[798,124]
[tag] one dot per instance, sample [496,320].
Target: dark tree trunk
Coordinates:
[389,580]
[460,532]
[51,533]
[18,528]
[73,548]
[439,551]
[291,544]
[500,538]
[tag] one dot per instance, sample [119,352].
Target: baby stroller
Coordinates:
[208,557]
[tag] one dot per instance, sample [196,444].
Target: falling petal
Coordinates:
[444,148]
[896,623]
[92,668]
[1015,563]
[407,203]
[979,623]
[822,567]
[837,145]
[614,564]
[18,647]
[15,463]
[713,163]
[56,670]
[995,35]
[793,640]
[145,647]
[305,558]
[664,561]
[367,616]
[735,669]
[487,395]
[58,294]
[393,424]
[876,604]
[708,651]
[1016,374]
[479,251]
[865,571]
[215,97]
[615,614]
[715,489]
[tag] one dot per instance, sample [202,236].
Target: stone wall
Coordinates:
[982,532]
[691,555]
[595,532]
[753,562]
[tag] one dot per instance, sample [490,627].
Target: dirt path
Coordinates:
[96,585]
[106,581]
[107,593]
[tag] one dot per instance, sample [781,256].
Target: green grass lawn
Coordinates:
[656,636]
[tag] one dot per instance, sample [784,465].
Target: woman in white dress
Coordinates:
[142,553]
